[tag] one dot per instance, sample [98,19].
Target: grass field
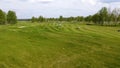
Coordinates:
[52,45]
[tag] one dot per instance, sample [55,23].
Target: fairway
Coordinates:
[55,45]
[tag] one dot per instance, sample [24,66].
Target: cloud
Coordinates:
[110,1]
[40,1]
[92,2]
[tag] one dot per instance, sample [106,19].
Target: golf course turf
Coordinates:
[55,45]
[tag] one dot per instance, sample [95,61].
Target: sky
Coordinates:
[55,8]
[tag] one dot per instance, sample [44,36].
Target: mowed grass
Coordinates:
[52,45]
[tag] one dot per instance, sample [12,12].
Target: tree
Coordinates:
[41,19]
[103,15]
[79,18]
[119,18]
[2,17]
[116,13]
[70,19]
[33,19]
[88,18]
[11,17]
[96,18]
[61,18]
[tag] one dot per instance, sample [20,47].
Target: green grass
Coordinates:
[46,45]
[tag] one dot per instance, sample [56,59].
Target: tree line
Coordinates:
[104,16]
[61,18]
[8,18]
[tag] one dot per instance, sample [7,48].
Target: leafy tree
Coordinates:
[2,17]
[61,18]
[41,19]
[96,19]
[116,13]
[33,19]
[11,17]
[119,18]
[70,19]
[79,18]
[103,15]
[88,18]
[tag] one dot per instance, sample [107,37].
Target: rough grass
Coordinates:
[50,45]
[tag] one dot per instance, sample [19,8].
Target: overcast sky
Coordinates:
[55,8]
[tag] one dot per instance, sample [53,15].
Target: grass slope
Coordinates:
[49,45]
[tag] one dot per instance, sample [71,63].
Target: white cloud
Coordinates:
[43,1]
[92,2]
